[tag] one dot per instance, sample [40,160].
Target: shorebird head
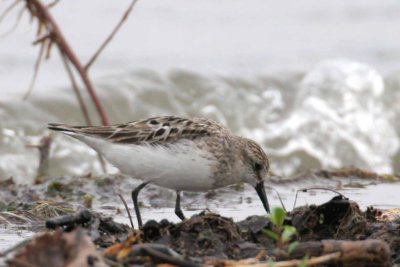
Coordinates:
[257,169]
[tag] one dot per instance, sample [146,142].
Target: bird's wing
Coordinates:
[156,130]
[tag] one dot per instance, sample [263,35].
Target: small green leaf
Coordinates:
[277,216]
[321,218]
[271,234]
[288,232]
[292,246]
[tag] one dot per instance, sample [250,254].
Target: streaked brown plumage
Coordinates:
[201,153]
[156,130]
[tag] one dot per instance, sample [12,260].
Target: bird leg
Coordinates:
[135,193]
[178,210]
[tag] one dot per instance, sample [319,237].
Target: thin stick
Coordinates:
[8,10]
[294,263]
[111,36]
[315,188]
[35,71]
[127,210]
[76,90]
[311,262]
[52,4]
[18,19]
[167,258]
[44,16]
[41,39]
[280,199]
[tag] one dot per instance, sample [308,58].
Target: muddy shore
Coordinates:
[70,230]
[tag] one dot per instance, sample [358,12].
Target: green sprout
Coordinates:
[282,234]
[321,218]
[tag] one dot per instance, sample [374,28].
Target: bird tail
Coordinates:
[59,127]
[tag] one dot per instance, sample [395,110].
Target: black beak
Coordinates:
[261,193]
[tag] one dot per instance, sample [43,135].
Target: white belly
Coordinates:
[179,166]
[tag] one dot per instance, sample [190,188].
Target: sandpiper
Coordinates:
[177,153]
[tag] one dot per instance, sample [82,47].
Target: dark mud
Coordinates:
[212,236]
[76,235]
[368,239]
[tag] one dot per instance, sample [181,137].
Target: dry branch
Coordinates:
[55,2]
[111,36]
[328,258]
[8,10]
[35,70]
[337,252]
[46,20]
[366,251]
[76,90]
[17,20]
[54,35]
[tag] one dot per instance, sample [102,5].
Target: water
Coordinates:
[9,239]
[315,83]
[337,114]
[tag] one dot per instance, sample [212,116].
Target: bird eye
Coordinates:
[257,166]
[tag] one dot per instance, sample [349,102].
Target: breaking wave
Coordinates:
[340,113]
